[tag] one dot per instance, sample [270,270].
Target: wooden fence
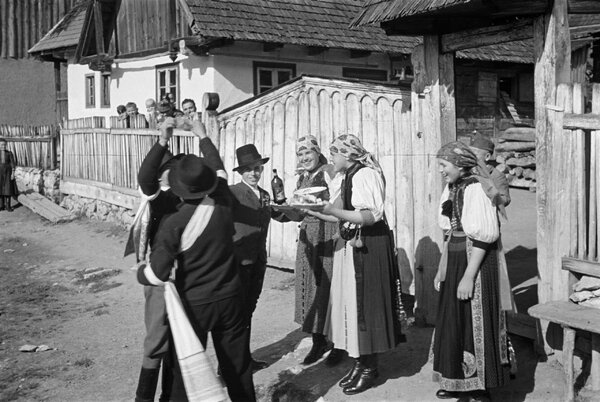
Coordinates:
[32,146]
[569,191]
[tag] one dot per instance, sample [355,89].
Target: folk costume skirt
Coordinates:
[362,317]
[470,350]
[314,266]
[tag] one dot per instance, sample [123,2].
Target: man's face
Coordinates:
[252,173]
[189,108]
[482,154]
[132,111]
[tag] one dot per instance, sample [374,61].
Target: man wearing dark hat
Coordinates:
[251,214]
[198,238]
[483,147]
[166,109]
[157,201]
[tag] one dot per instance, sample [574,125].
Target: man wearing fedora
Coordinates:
[199,239]
[159,201]
[251,215]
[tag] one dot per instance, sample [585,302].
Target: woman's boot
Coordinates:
[318,349]
[367,376]
[7,202]
[352,375]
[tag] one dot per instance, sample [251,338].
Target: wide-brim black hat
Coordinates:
[248,155]
[190,178]
[167,161]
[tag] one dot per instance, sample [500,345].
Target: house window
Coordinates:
[90,90]
[269,75]
[105,90]
[167,81]
[364,74]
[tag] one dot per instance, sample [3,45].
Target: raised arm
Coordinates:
[148,174]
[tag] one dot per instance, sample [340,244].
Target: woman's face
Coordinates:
[339,162]
[450,172]
[309,159]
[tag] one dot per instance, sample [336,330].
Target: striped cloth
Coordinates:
[199,378]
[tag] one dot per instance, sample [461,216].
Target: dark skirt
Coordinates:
[469,347]
[8,186]
[314,265]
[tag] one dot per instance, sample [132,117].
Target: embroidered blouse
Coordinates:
[479,218]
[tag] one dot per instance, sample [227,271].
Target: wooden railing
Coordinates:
[32,146]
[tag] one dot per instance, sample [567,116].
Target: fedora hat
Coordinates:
[247,155]
[190,178]
[480,141]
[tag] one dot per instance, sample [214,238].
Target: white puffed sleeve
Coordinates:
[368,192]
[443,220]
[479,215]
[334,185]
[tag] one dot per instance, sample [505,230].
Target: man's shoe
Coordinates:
[476,396]
[443,394]
[352,375]
[258,365]
[316,352]
[365,380]
[335,357]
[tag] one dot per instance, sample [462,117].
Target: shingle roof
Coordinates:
[322,23]
[66,32]
[386,10]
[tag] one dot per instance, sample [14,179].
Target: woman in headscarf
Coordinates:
[469,347]
[364,313]
[314,256]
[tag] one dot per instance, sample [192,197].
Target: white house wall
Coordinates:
[227,71]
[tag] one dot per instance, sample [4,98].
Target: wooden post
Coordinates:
[552,66]
[595,370]
[210,103]
[568,348]
[12,30]
[433,108]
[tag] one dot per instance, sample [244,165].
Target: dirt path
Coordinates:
[94,326]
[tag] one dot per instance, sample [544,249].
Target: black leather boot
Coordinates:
[352,375]
[146,385]
[8,206]
[318,349]
[365,380]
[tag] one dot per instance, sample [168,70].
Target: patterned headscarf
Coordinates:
[308,142]
[349,147]
[459,154]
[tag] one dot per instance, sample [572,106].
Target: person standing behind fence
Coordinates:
[364,316]
[158,201]
[483,147]
[8,185]
[151,113]
[470,348]
[190,110]
[314,255]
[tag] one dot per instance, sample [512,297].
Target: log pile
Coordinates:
[515,155]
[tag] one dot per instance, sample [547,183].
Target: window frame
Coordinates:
[90,90]
[257,66]
[166,68]
[105,90]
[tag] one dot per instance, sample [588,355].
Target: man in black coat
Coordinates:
[252,214]
[207,277]
[161,201]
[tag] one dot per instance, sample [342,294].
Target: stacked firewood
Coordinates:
[515,155]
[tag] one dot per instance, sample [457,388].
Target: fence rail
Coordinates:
[32,146]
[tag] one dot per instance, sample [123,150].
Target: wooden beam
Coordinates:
[316,50]
[355,54]
[99,27]
[271,47]
[585,267]
[124,197]
[584,7]
[588,121]
[473,38]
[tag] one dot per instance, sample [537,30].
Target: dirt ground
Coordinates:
[67,286]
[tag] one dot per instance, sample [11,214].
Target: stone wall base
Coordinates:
[45,182]
[99,210]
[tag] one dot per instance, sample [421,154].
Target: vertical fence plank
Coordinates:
[290,232]
[594,166]
[277,162]
[338,119]
[353,115]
